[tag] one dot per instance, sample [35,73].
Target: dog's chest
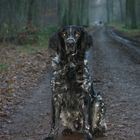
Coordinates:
[72,119]
[71,75]
[69,84]
[71,112]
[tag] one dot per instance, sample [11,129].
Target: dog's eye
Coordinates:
[64,34]
[77,34]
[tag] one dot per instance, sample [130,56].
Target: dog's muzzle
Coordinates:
[70,46]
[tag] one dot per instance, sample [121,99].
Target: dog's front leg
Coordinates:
[55,119]
[87,125]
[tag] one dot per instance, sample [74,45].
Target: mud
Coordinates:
[119,76]
[116,75]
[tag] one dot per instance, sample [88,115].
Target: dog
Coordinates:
[74,102]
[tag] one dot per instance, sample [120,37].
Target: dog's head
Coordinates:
[70,40]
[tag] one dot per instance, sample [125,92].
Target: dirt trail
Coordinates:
[31,119]
[116,75]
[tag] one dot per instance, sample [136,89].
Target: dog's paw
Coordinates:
[49,138]
[67,132]
[100,132]
[88,137]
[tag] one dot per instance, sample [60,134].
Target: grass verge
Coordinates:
[42,41]
[132,33]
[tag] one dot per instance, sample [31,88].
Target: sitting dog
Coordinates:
[74,103]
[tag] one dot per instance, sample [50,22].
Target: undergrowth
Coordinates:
[39,42]
[122,28]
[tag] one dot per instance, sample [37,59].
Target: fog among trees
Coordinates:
[26,34]
[16,15]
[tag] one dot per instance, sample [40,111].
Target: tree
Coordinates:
[130,14]
[73,12]
[30,13]
[138,12]
[110,11]
[121,10]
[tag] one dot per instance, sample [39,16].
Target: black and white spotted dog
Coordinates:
[75,105]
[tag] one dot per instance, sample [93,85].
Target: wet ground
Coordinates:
[116,74]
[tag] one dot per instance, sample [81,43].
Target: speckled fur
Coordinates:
[74,101]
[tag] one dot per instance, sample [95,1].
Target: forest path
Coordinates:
[31,119]
[116,75]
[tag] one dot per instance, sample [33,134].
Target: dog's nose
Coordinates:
[70,43]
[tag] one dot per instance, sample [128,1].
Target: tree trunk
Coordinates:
[107,11]
[121,10]
[73,12]
[30,14]
[130,14]
[112,10]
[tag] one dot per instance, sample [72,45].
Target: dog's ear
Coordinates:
[54,42]
[87,40]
